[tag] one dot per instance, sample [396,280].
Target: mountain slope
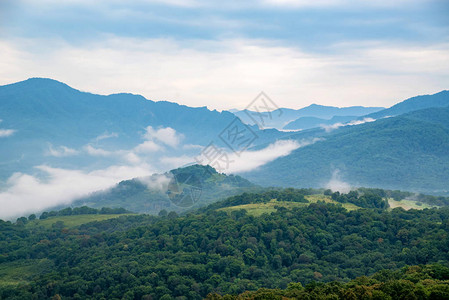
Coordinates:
[409,152]
[440,99]
[152,194]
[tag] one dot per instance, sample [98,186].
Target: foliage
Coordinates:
[191,256]
[415,282]
[83,210]
[366,200]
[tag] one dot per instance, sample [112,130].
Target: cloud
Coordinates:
[230,70]
[192,147]
[336,184]
[97,151]
[106,136]
[250,160]
[336,3]
[167,135]
[329,128]
[27,194]
[148,147]
[229,162]
[103,3]
[304,3]
[132,158]
[6,132]
[62,151]
[158,182]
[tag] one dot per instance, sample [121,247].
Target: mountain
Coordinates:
[440,99]
[178,190]
[45,114]
[312,122]
[408,152]
[283,116]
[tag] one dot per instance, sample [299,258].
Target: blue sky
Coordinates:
[222,54]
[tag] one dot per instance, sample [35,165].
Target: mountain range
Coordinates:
[282,118]
[52,123]
[46,122]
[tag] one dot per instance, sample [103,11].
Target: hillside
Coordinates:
[440,99]
[214,251]
[409,152]
[155,193]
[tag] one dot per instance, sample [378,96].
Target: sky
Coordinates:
[221,54]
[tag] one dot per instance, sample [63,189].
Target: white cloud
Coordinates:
[106,136]
[97,151]
[148,147]
[336,184]
[157,182]
[61,151]
[192,147]
[329,128]
[337,3]
[6,132]
[250,160]
[132,158]
[304,3]
[27,194]
[167,135]
[226,73]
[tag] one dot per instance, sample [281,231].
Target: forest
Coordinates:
[414,282]
[212,252]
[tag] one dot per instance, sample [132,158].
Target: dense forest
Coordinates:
[212,251]
[414,282]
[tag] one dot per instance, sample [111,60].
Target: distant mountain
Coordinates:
[440,99]
[44,113]
[408,152]
[312,122]
[178,190]
[281,117]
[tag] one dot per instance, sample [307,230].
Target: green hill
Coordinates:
[409,152]
[171,191]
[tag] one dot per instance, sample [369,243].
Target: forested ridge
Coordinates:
[211,251]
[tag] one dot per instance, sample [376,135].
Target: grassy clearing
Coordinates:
[73,221]
[257,209]
[408,204]
[19,272]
